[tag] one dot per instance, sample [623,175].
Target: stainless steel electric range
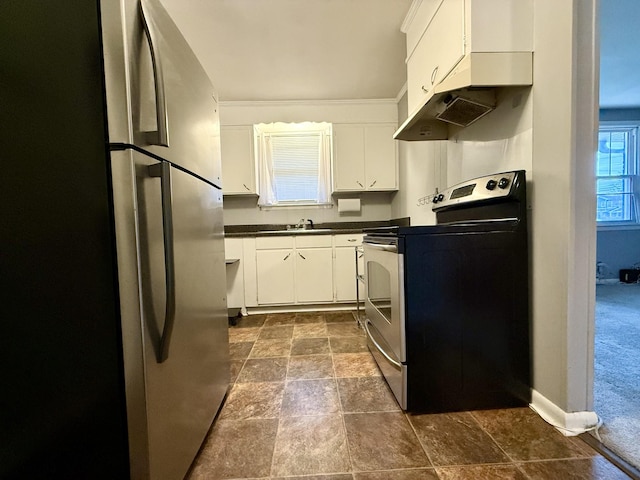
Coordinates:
[447,305]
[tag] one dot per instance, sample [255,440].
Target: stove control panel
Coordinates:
[499,185]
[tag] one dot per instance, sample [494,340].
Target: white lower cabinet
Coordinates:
[344,266]
[302,269]
[275,275]
[314,275]
[235,273]
[275,267]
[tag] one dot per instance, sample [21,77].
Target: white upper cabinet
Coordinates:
[365,158]
[438,51]
[380,163]
[238,163]
[348,158]
[443,32]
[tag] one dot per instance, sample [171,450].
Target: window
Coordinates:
[616,175]
[294,163]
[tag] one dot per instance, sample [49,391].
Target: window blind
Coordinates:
[296,160]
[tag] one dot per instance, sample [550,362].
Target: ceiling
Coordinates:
[268,50]
[272,50]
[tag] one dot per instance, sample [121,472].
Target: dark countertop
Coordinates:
[333,228]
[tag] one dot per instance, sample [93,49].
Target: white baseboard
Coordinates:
[569,424]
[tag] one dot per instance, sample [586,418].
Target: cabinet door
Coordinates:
[238,163]
[314,275]
[438,51]
[275,270]
[348,159]
[380,158]
[345,274]
[249,271]
[360,272]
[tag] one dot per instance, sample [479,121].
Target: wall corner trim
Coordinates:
[567,423]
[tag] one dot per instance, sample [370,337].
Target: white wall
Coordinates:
[499,142]
[422,169]
[244,211]
[563,223]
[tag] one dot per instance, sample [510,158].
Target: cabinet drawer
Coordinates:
[266,243]
[313,241]
[348,240]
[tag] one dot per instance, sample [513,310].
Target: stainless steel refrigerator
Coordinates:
[114,343]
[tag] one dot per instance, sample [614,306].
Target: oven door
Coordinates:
[384,302]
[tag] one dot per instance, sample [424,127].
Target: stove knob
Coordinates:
[503,183]
[440,197]
[491,184]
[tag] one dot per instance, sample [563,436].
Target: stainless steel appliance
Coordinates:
[114,340]
[447,305]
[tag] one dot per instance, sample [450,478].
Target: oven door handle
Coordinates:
[384,248]
[377,345]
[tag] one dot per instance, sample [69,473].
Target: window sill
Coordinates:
[608,227]
[296,206]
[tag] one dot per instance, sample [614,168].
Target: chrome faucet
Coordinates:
[304,224]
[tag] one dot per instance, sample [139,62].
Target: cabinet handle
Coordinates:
[288,255]
[359,184]
[374,182]
[351,240]
[301,256]
[248,189]
[424,89]
[433,75]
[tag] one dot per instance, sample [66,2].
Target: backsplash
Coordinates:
[244,211]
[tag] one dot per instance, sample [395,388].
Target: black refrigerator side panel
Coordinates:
[62,412]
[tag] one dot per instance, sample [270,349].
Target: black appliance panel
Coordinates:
[466,322]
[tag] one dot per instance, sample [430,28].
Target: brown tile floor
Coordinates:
[308,402]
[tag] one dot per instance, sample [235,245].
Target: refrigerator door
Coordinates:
[185,352]
[159,97]
[174,108]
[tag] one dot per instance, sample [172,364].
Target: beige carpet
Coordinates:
[617,368]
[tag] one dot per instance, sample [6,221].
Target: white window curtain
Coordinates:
[294,164]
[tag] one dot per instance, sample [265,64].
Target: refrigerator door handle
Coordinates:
[163,171]
[161,136]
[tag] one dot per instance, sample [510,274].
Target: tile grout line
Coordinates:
[513,461]
[284,388]
[424,449]
[342,413]
[475,419]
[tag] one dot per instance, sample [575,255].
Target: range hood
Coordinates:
[466,94]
